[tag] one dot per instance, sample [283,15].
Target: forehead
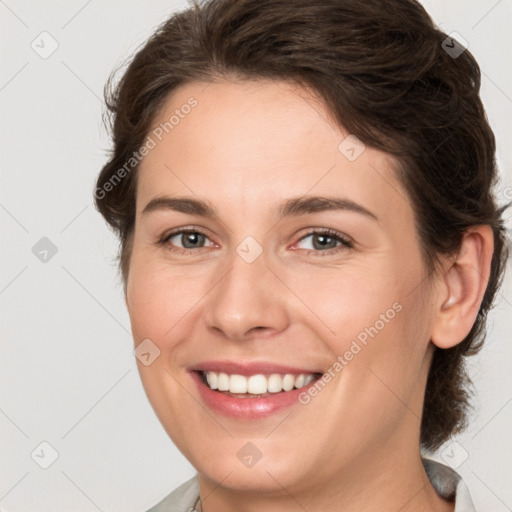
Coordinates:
[255,142]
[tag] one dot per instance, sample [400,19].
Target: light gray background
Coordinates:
[68,375]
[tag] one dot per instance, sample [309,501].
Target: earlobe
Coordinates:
[461,288]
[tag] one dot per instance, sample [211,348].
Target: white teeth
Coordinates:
[237,384]
[222,381]
[299,381]
[257,384]
[275,383]
[308,379]
[288,382]
[212,379]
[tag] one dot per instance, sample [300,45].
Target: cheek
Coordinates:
[160,298]
[384,356]
[350,304]
[375,322]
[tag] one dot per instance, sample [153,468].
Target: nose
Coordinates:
[249,301]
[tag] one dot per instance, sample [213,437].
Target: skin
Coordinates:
[246,147]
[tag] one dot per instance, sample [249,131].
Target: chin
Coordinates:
[259,465]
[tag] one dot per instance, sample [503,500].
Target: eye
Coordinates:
[188,241]
[325,240]
[185,240]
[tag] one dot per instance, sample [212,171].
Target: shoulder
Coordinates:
[181,499]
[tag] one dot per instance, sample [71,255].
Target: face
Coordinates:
[267,243]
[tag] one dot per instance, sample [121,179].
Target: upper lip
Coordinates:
[249,368]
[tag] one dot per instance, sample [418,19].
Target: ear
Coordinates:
[462,285]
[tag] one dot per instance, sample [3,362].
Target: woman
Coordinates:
[309,248]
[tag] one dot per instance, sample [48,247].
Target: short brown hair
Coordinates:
[384,75]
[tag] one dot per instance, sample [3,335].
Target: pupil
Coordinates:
[193,238]
[323,241]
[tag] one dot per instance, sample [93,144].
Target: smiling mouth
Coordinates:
[256,386]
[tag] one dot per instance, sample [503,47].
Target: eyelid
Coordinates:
[345,241]
[163,240]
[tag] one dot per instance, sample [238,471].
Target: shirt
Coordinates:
[447,483]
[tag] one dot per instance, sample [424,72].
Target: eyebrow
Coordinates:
[294,206]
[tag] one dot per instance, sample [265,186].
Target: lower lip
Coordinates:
[247,408]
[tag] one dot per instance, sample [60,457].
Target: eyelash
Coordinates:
[345,242]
